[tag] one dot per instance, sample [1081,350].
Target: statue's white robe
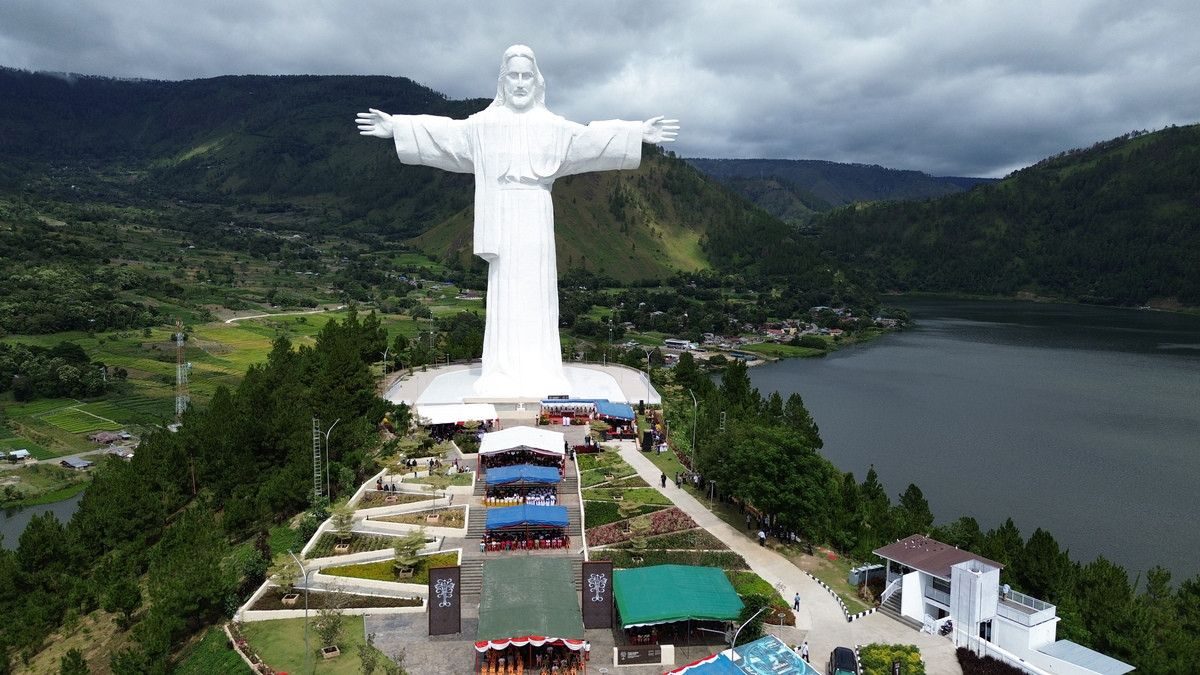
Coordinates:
[516,156]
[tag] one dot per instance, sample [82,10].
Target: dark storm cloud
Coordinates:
[945,87]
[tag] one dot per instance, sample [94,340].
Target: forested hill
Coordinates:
[287,145]
[1118,223]
[795,189]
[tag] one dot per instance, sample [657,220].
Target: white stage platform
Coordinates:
[456,384]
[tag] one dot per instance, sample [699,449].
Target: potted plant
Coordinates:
[343,524]
[285,576]
[407,550]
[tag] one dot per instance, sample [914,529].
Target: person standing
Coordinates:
[796,602]
[804,651]
[663,479]
[762,538]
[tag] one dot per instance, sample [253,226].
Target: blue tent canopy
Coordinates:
[621,411]
[523,473]
[526,514]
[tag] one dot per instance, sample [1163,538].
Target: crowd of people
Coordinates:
[513,496]
[544,660]
[514,457]
[524,541]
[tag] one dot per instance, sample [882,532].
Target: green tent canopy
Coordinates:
[668,593]
[529,595]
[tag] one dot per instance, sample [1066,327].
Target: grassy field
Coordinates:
[219,354]
[213,654]
[280,644]
[781,351]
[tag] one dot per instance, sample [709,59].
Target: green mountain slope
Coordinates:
[794,190]
[1117,223]
[288,146]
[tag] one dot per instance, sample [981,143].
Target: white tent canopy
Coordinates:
[455,413]
[515,438]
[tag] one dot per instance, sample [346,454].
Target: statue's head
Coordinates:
[520,85]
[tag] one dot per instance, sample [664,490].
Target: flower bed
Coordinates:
[697,539]
[451,517]
[624,559]
[359,543]
[596,514]
[384,570]
[661,522]
[273,599]
[374,498]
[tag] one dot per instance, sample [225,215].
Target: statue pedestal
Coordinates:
[456,384]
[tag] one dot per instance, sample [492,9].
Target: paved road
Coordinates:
[264,316]
[820,619]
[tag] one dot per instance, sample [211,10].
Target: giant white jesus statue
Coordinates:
[517,148]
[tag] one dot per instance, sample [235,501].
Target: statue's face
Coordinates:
[518,83]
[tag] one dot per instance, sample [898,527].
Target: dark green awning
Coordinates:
[666,593]
[529,595]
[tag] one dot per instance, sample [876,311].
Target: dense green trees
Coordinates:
[181,516]
[763,451]
[1116,224]
[64,370]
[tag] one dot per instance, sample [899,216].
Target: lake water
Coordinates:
[13,521]
[1083,421]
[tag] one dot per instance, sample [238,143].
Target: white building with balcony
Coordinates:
[930,583]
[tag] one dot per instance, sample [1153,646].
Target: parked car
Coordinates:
[842,661]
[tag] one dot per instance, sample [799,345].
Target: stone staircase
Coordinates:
[892,608]
[473,560]
[472,572]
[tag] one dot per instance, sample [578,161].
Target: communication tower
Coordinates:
[181,374]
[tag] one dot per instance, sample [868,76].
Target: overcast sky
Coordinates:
[949,88]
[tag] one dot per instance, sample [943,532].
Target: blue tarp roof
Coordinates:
[765,656]
[618,410]
[525,514]
[522,473]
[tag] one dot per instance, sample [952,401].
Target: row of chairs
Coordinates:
[526,544]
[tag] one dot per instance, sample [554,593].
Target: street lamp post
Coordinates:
[695,415]
[385,353]
[648,353]
[327,460]
[304,574]
[733,642]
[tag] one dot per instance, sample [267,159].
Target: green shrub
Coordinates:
[596,514]
[876,659]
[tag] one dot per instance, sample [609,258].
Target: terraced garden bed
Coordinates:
[647,495]
[451,517]
[359,543]
[273,599]
[727,560]
[596,514]
[384,570]
[374,498]
[698,539]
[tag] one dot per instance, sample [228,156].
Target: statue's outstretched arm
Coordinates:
[375,123]
[659,130]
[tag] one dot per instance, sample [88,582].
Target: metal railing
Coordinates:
[891,589]
[934,594]
[1025,609]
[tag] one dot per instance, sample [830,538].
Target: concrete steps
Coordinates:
[892,608]
[472,572]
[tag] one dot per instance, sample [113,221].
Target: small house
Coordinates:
[19,455]
[76,463]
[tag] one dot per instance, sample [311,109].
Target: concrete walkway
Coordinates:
[820,619]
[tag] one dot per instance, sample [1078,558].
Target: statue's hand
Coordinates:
[659,130]
[375,123]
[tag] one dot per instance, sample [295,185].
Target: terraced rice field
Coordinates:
[77,421]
